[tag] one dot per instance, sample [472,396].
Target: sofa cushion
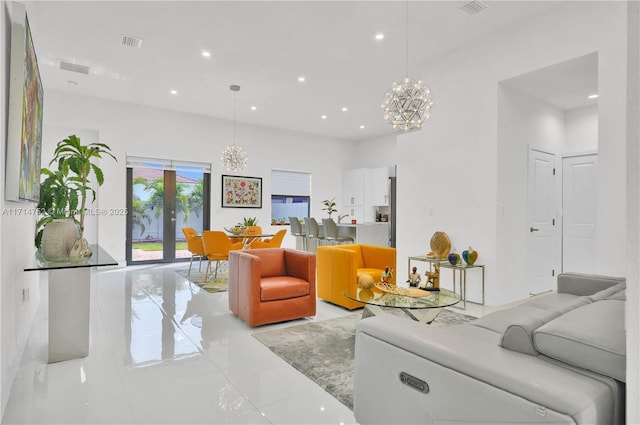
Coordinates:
[519,334]
[620,295]
[585,284]
[591,337]
[282,288]
[554,301]
[500,320]
[606,293]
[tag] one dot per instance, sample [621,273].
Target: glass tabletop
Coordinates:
[379,297]
[99,258]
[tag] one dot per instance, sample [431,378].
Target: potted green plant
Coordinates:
[329,206]
[250,221]
[67,191]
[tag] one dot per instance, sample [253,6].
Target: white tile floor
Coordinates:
[164,351]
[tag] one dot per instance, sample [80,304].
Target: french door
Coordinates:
[163,197]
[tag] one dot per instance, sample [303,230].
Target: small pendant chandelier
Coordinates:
[407,104]
[234,157]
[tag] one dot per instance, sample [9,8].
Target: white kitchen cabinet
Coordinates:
[379,186]
[365,189]
[353,187]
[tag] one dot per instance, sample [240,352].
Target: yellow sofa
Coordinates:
[338,268]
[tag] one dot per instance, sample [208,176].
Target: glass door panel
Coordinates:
[190,206]
[147,214]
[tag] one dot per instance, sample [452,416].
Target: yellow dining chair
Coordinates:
[273,242]
[216,247]
[194,245]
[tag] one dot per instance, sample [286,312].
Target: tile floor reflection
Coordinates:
[163,351]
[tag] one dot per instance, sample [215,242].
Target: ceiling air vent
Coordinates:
[473,7]
[74,67]
[129,41]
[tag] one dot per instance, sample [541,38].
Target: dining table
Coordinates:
[249,238]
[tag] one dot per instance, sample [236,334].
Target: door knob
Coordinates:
[533,229]
[173,219]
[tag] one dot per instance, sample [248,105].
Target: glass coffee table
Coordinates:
[418,304]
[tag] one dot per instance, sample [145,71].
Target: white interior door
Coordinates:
[541,227]
[579,177]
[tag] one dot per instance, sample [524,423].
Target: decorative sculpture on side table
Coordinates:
[433,279]
[414,277]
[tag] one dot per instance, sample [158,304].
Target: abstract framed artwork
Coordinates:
[241,192]
[24,132]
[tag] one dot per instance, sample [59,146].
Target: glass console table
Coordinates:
[462,273]
[69,287]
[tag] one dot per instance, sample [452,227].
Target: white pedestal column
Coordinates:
[69,298]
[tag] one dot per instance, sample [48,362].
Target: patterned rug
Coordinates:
[218,284]
[323,351]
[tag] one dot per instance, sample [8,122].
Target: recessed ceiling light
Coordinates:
[206,54]
[301,79]
[324,117]
[379,36]
[362,126]
[345,109]
[593,96]
[174,91]
[253,108]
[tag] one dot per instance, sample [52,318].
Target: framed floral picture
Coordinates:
[241,192]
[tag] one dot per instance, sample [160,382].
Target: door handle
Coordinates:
[173,219]
[533,229]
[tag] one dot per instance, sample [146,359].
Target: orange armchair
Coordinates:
[272,285]
[340,265]
[274,242]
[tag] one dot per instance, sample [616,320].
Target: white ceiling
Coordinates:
[262,46]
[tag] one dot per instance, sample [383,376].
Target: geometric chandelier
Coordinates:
[234,157]
[407,104]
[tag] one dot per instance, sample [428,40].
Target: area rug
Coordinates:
[323,351]
[218,284]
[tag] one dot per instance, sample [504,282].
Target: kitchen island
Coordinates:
[377,233]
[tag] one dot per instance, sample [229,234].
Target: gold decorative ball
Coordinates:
[440,245]
[366,295]
[365,281]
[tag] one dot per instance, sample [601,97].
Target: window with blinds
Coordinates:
[290,195]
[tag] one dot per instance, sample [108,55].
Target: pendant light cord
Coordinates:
[407,39]
[234,118]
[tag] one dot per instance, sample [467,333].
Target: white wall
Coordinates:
[581,129]
[633,214]
[452,174]
[142,131]
[16,248]
[523,122]
[375,152]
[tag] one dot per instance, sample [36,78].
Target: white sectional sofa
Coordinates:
[558,358]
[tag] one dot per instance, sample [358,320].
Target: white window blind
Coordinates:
[286,182]
[168,164]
